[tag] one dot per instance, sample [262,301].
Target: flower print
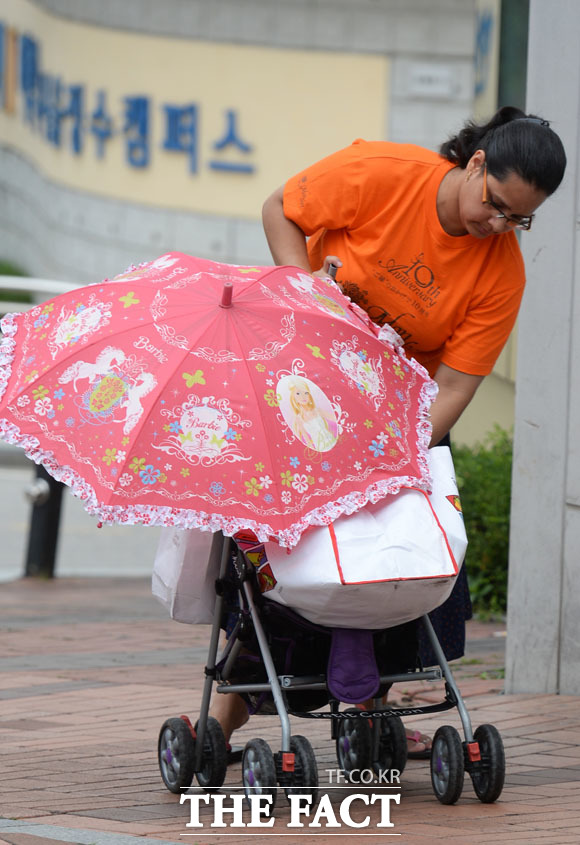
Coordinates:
[377,448]
[175,426]
[109,456]
[259,466]
[31,375]
[399,395]
[42,407]
[125,441]
[260,368]
[148,475]
[40,392]
[272,398]
[286,478]
[294,462]
[300,483]
[325,466]
[398,371]
[308,468]
[252,487]
[120,457]
[268,498]
[286,497]
[269,382]
[265,481]
[230,434]
[395,428]
[58,394]
[357,465]
[217,488]
[362,354]
[368,423]
[51,414]
[238,435]
[184,471]
[167,467]
[39,323]
[59,407]
[137,464]
[393,452]
[382,438]
[70,421]
[162,477]
[23,400]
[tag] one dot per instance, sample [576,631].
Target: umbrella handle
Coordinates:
[332,270]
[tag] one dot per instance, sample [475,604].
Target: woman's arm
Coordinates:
[456,390]
[286,240]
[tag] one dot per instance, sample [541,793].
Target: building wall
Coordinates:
[302,78]
[543,645]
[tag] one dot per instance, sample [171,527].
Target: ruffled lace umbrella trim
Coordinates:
[185,518]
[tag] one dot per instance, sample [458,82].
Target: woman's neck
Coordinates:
[448,202]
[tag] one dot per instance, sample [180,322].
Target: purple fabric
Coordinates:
[352,674]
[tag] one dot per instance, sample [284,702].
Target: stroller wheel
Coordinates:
[353,743]
[305,776]
[176,749]
[392,751]
[215,756]
[488,774]
[259,770]
[447,767]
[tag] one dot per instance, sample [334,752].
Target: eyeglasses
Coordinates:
[516,220]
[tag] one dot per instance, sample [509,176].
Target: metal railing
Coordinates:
[44,493]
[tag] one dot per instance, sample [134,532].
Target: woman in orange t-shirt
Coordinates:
[424,242]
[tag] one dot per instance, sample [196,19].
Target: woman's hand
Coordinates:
[324,271]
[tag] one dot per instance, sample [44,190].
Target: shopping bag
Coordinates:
[384,565]
[184,574]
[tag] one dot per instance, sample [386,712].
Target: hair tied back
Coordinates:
[539,120]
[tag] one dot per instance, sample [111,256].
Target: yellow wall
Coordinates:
[293,107]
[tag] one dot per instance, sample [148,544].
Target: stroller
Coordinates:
[284,664]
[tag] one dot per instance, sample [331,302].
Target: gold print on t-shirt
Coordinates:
[417,277]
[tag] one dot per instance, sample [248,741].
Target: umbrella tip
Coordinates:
[227,295]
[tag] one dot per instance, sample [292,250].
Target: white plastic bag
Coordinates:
[184,575]
[384,565]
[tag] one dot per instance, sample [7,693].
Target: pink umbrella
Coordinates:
[196,394]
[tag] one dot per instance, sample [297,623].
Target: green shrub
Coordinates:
[484,481]
[9,269]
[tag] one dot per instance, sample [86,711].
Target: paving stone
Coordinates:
[80,715]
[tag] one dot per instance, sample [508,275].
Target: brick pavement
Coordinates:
[90,668]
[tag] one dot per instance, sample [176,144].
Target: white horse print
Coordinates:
[116,386]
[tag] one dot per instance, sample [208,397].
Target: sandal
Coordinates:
[416,738]
[234,753]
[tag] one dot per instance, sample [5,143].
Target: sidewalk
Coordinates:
[91,667]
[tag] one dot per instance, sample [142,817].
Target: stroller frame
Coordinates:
[185,750]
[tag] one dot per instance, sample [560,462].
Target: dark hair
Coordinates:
[513,142]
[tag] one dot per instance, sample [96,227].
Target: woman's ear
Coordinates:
[476,161]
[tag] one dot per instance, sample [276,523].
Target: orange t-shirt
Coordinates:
[452,299]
